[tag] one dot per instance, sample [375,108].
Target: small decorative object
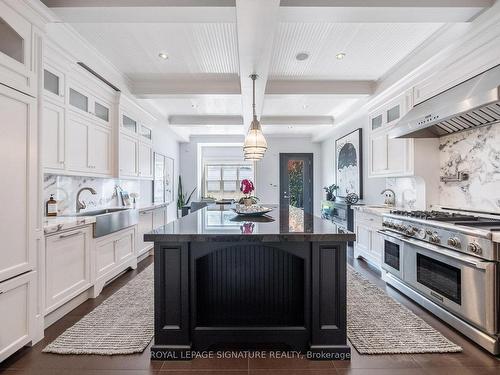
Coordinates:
[330,192]
[51,206]
[351,198]
[348,169]
[246,188]
[125,198]
[253,210]
[247,228]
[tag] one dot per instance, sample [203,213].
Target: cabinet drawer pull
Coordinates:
[70,234]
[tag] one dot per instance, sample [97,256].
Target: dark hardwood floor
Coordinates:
[472,360]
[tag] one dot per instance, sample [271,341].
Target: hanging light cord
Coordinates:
[253,77]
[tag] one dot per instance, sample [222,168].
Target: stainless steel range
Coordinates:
[448,262]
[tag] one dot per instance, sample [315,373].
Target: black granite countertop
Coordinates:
[221,223]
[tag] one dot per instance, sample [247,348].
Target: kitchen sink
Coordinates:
[110,220]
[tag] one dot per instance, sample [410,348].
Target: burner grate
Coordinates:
[435,215]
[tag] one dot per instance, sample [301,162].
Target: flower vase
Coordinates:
[247,202]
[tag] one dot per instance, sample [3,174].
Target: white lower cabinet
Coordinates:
[67,266]
[17,310]
[159,218]
[368,243]
[145,225]
[114,253]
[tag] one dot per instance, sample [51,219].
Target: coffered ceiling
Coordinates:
[210,47]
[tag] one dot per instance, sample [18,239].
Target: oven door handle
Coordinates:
[467,259]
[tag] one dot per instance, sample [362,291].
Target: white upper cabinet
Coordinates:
[389,157]
[135,146]
[100,153]
[77,144]
[145,160]
[16,65]
[53,125]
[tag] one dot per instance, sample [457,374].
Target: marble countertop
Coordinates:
[221,223]
[57,224]
[377,209]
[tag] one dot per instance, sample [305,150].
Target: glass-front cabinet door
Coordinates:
[145,132]
[78,100]
[15,51]
[129,124]
[53,83]
[101,111]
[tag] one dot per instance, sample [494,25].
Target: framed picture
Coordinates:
[348,164]
[169,180]
[159,178]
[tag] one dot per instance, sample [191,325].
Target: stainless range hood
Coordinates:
[473,103]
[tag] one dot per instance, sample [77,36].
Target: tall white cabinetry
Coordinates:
[20,226]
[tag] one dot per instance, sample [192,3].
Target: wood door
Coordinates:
[17,309]
[18,163]
[100,154]
[53,136]
[128,156]
[67,266]
[77,144]
[296,181]
[145,160]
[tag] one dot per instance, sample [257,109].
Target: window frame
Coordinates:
[222,164]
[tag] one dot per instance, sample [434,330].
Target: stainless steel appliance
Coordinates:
[449,263]
[473,103]
[340,212]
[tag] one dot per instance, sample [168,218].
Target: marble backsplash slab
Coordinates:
[476,152]
[65,189]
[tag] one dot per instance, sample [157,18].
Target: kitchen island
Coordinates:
[276,282]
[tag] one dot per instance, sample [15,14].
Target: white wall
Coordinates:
[165,142]
[371,186]
[266,170]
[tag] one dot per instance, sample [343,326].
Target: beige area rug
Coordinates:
[377,324]
[122,324]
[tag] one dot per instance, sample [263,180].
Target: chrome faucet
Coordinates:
[390,197]
[82,205]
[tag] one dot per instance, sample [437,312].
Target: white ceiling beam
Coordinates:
[138,3]
[193,120]
[158,88]
[418,13]
[297,120]
[389,3]
[257,22]
[143,14]
[319,87]
[225,120]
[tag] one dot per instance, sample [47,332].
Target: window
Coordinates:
[222,181]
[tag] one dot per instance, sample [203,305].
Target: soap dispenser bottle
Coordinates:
[51,206]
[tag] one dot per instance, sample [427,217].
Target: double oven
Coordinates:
[465,286]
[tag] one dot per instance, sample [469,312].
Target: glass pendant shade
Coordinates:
[255,143]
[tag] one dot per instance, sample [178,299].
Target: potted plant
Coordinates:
[330,192]
[246,188]
[182,200]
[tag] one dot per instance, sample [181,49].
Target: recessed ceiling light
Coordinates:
[302,56]
[163,55]
[340,55]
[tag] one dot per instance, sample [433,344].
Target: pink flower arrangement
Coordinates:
[246,186]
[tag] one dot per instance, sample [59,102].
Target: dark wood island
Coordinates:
[276,282]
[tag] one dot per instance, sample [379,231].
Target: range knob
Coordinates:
[475,248]
[410,231]
[454,241]
[434,238]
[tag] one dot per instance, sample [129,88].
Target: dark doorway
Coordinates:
[296,181]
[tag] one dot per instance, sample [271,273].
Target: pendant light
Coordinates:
[255,144]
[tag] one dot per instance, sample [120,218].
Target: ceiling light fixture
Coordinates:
[163,55]
[255,144]
[301,56]
[340,55]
